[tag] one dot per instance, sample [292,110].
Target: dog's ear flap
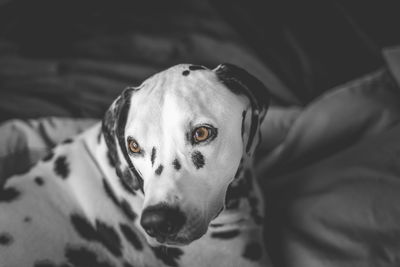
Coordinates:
[113,129]
[240,82]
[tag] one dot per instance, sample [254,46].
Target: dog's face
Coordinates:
[181,137]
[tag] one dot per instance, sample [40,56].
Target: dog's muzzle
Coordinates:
[162,222]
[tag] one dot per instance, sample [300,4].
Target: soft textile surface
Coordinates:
[336,120]
[72,58]
[332,183]
[338,208]
[342,211]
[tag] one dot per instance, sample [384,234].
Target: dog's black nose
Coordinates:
[162,221]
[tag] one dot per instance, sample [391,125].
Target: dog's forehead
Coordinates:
[184,90]
[183,79]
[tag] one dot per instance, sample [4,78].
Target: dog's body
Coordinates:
[147,187]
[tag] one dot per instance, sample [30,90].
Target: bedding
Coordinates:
[74,60]
[329,167]
[335,209]
[332,182]
[332,122]
[340,211]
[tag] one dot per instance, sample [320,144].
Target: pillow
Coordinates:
[336,120]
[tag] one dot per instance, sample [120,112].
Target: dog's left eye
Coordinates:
[133,146]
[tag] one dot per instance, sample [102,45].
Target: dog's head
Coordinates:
[179,138]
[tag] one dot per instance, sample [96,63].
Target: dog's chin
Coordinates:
[176,241]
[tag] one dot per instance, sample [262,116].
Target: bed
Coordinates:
[329,163]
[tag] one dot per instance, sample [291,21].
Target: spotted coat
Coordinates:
[93,202]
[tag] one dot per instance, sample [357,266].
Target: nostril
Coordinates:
[162,221]
[151,221]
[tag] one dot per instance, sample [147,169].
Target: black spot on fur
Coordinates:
[110,159]
[99,136]
[153,155]
[131,236]
[102,233]
[196,67]
[159,169]
[49,156]
[216,225]
[127,209]
[239,188]
[253,251]
[83,257]
[84,227]
[198,159]
[110,193]
[109,238]
[226,235]
[39,181]
[9,194]
[27,219]
[128,189]
[5,239]
[243,118]
[185,73]
[253,130]
[67,141]
[177,164]
[242,188]
[239,172]
[61,167]
[168,255]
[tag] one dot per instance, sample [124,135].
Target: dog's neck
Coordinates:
[242,201]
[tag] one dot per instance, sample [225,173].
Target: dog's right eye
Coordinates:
[201,134]
[133,146]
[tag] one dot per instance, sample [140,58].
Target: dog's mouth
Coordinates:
[176,241]
[182,238]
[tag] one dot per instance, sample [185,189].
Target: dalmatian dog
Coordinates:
[165,179]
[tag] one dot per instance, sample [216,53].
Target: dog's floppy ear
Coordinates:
[239,81]
[113,128]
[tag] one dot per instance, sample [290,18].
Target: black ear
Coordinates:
[240,82]
[113,128]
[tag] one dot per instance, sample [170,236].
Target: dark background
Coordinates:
[309,45]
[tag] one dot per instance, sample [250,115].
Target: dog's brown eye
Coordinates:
[201,134]
[133,146]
